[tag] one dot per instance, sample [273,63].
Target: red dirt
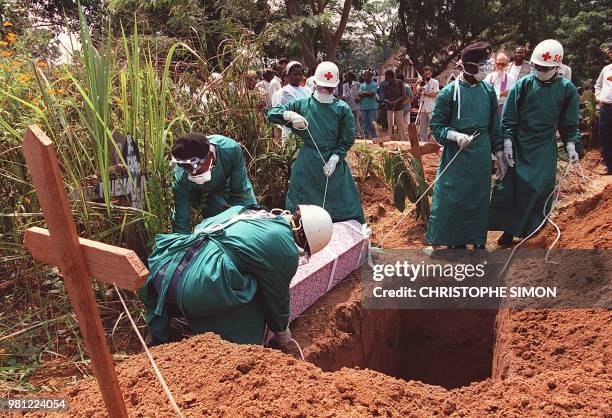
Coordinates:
[544,362]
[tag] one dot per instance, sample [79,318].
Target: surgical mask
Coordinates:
[484,67]
[323,96]
[201,178]
[544,75]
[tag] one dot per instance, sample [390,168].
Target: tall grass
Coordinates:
[116,83]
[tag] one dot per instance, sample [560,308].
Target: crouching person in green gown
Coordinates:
[210,175]
[231,275]
[320,169]
[465,121]
[539,104]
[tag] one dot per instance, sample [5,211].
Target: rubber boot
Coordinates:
[505,240]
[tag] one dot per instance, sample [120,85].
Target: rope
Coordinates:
[556,190]
[424,193]
[175,407]
[299,348]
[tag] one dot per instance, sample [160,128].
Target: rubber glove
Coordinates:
[571,151]
[502,165]
[463,140]
[330,165]
[283,337]
[508,154]
[298,121]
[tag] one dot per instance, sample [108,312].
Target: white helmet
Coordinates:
[317,225]
[548,53]
[327,74]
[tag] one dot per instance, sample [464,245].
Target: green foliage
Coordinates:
[435,32]
[368,161]
[406,182]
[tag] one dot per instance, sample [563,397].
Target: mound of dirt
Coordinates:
[210,377]
[585,224]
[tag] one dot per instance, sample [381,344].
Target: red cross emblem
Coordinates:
[328,76]
[546,56]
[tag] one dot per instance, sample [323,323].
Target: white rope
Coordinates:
[177,411]
[299,349]
[547,216]
[424,193]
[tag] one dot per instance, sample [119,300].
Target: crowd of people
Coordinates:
[231,273]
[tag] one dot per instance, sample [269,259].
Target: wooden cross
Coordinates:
[79,260]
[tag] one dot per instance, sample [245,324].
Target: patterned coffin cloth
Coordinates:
[346,251]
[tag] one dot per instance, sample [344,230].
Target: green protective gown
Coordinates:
[235,284]
[533,113]
[229,186]
[460,204]
[333,128]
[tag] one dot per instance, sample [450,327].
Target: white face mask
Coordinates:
[201,178]
[323,96]
[544,75]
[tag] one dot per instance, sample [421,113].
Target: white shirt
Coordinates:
[350,94]
[265,86]
[565,71]
[432,86]
[496,80]
[276,84]
[603,86]
[285,95]
[519,71]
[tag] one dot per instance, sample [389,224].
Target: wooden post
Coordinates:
[44,168]
[415,149]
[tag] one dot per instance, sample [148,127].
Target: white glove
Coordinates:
[330,165]
[571,151]
[508,154]
[283,337]
[298,121]
[463,140]
[502,165]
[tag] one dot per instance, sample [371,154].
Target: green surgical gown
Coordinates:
[332,126]
[229,186]
[235,284]
[460,204]
[533,113]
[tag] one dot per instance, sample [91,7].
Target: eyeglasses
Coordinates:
[542,68]
[472,68]
[194,164]
[501,64]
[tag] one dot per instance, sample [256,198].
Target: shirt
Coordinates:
[393,91]
[432,86]
[565,71]
[603,86]
[265,86]
[369,102]
[497,81]
[519,71]
[350,94]
[276,84]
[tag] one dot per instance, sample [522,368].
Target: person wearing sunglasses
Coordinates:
[501,80]
[210,175]
[231,276]
[538,105]
[466,122]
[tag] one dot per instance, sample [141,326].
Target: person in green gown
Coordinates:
[231,275]
[466,122]
[538,106]
[210,175]
[321,174]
